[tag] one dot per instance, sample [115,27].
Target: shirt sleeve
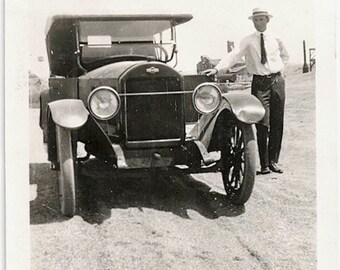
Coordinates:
[283,52]
[234,57]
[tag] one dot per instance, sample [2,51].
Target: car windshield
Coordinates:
[101,40]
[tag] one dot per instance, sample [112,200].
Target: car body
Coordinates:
[114,89]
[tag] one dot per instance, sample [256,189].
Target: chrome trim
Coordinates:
[195,91]
[155,141]
[156,93]
[152,70]
[152,144]
[98,89]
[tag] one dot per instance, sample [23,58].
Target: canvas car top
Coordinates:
[66,33]
[57,20]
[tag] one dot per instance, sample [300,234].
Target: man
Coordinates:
[265,57]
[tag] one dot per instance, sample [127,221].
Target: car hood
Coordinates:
[114,70]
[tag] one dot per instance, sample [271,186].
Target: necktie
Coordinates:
[263,51]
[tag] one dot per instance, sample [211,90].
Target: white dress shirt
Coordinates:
[250,52]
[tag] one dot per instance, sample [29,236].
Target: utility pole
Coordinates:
[305,66]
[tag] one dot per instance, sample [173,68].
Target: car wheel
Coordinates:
[67,172]
[238,159]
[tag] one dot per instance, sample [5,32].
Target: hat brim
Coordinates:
[263,14]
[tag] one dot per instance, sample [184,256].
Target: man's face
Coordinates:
[260,23]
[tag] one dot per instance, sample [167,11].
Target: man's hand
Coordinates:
[210,72]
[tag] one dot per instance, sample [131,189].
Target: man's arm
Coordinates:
[231,59]
[283,54]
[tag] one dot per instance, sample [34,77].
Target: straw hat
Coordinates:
[260,12]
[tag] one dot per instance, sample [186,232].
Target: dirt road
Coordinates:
[183,222]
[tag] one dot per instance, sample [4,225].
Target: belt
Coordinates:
[272,75]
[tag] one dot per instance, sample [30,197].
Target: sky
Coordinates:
[214,23]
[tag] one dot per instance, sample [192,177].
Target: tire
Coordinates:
[239,159]
[67,173]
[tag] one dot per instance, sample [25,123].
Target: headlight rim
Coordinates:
[99,88]
[195,92]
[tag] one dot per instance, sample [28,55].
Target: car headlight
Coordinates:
[206,98]
[104,102]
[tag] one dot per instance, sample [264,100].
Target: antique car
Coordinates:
[114,89]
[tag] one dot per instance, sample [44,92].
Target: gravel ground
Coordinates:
[183,222]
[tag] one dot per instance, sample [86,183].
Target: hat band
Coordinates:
[260,13]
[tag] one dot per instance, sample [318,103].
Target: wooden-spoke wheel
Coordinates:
[67,174]
[238,159]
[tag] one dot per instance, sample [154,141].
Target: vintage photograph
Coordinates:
[178,135]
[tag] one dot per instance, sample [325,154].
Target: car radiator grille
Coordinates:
[153,110]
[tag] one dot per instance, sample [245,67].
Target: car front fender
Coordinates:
[246,108]
[69,113]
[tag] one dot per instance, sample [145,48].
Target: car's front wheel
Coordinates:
[239,160]
[67,174]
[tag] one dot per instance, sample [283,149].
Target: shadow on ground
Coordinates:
[101,190]
[45,207]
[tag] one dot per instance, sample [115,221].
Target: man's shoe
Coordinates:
[264,170]
[274,168]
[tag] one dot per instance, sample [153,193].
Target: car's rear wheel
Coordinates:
[239,160]
[67,174]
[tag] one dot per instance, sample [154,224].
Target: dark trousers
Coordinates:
[271,93]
